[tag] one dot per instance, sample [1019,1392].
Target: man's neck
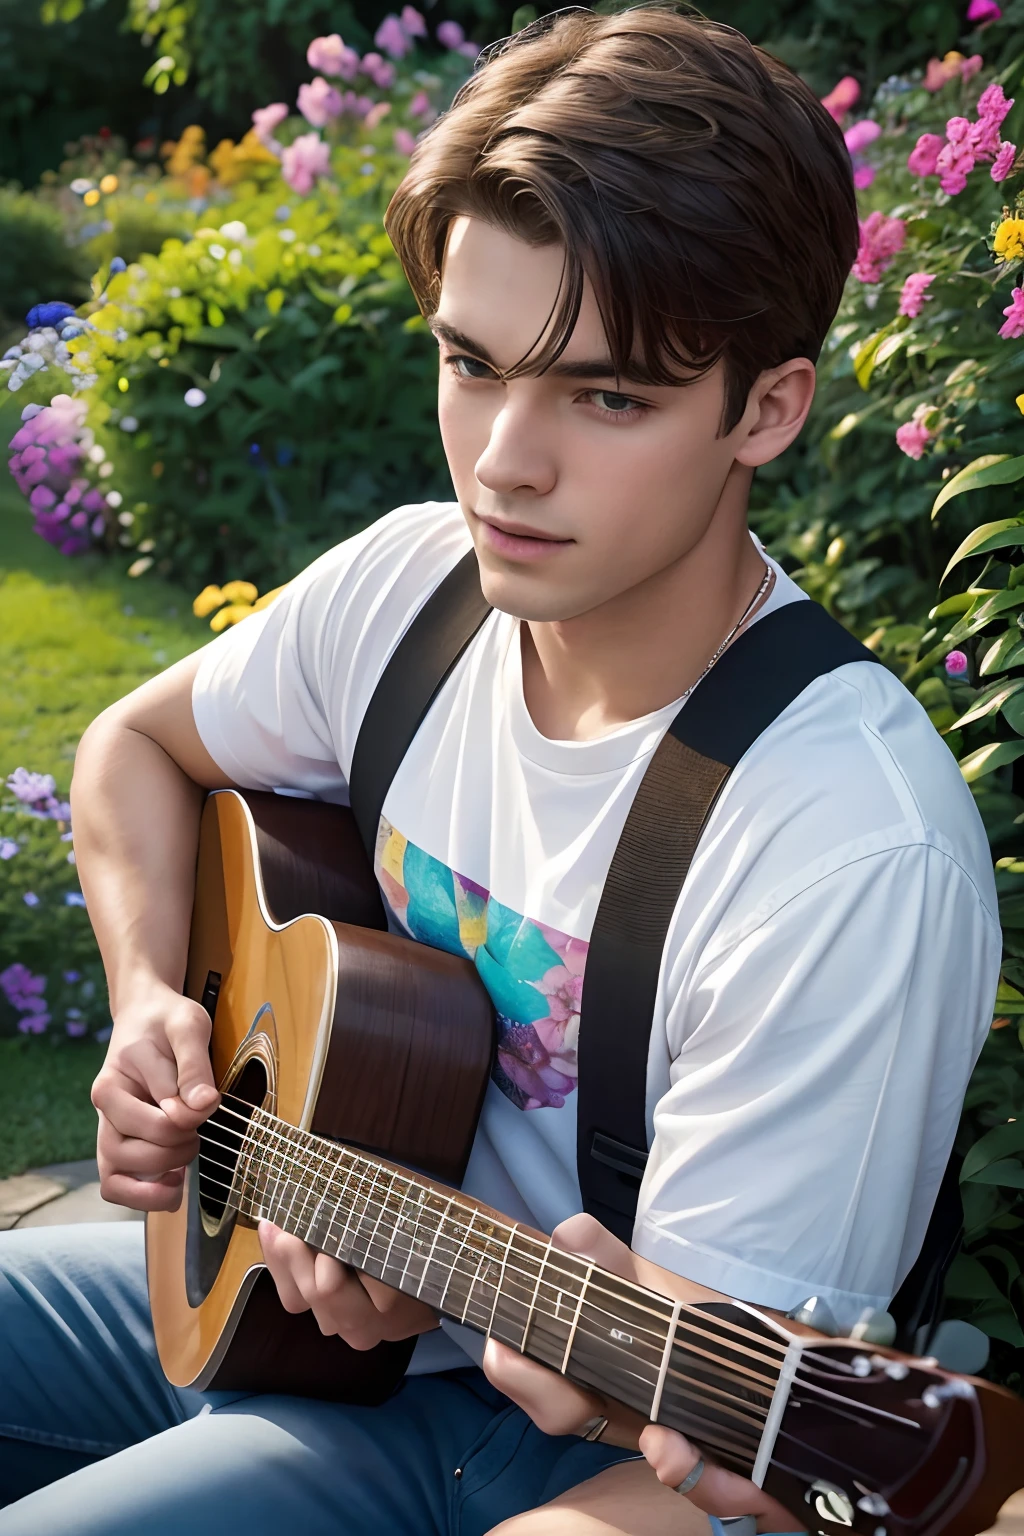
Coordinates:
[585,676]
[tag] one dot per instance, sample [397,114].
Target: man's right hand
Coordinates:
[154,1090]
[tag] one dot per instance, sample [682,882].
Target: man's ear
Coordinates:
[777,408]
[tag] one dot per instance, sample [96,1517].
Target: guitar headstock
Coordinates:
[887,1445]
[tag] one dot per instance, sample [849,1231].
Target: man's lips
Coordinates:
[519,544]
[520,531]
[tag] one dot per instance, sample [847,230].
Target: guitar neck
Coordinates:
[710,1371]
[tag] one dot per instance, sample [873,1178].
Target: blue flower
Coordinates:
[48,314]
[118,265]
[74,899]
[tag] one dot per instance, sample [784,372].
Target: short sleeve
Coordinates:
[279,698]
[823,1062]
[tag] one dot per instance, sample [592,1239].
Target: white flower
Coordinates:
[114,499]
[314,250]
[125,518]
[106,470]
[195,397]
[235,257]
[234,229]
[97,454]
[81,185]
[217,251]
[287,235]
[129,424]
[174,293]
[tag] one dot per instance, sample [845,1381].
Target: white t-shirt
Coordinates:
[827,980]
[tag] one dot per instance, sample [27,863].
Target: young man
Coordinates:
[630,236]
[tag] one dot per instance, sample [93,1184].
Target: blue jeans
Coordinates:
[95,1442]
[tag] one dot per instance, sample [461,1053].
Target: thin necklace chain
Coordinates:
[767,580]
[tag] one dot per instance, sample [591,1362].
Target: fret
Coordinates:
[533,1299]
[333,1245]
[430,1256]
[346,1247]
[670,1338]
[369,1258]
[453,1267]
[576,1319]
[425,1208]
[501,1278]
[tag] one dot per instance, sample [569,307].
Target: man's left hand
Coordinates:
[559,1408]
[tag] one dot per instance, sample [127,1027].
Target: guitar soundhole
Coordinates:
[220,1139]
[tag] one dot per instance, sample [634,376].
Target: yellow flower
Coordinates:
[208,599]
[108,184]
[1008,244]
[91,198]
[239,592]
[1019,402]
[268,597]
[229,615]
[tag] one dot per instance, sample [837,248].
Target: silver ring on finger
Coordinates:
[692,1479]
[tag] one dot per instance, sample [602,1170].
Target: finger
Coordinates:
[719,1491]
[291,1266]
[555,1405]
[163,1194]
[132,1116]
[188,1035]
[584,1235]
[140,1159]
[383,1297]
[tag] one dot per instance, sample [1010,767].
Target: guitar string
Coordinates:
[742,1408]
[853,1406]
[657,1337]
[644,1296]
[401,1251]
[740,1438]
[704,1319]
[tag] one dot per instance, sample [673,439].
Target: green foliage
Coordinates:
[35,261]
[45,1113]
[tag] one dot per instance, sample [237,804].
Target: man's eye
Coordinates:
[609,401]
[470,368]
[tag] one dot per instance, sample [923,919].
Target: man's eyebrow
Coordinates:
[582,368]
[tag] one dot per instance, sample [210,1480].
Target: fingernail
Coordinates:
[195,1095]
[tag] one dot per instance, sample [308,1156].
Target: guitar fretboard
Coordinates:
[708,1373]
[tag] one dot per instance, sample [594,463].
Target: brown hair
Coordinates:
[695,179]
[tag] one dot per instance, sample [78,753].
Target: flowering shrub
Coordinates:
[42,916]
[261,388]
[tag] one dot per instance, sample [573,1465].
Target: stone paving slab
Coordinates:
[56,1195]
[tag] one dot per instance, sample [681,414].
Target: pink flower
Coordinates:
[468,50]
[390,36]
[861,135]
[956,158]
[969,67]
[924,155]
[1004,161]
[376,115]
[379,70]
[304,160]
[881,237]
[956,663]
[993,102]
[413,24]
[1013,325]
[404,141]
[450,35]
[330,56]
[842,98]
[863,176]
[938,73]
[983,11]
[913,437]
[266,119]
[319,102]
[912,294]
[421,107]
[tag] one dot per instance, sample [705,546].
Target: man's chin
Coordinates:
[532,594]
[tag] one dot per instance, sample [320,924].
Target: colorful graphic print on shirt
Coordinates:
[534,973]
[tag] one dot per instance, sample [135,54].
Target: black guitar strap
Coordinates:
[756,679]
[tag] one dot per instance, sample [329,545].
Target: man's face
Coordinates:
[576,488]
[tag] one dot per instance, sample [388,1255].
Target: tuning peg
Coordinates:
[956,1346]
[815,1313]
[874,1327]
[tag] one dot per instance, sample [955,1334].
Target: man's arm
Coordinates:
[140,775]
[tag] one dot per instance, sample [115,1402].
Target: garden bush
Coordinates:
[35,259]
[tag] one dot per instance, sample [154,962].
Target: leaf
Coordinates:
[995,755]
[1001,535]
[1013,714]
[1008,999]
[999,1321]
[1006,1171]
[991,703]
[995,1144]
[867,355]
[1000,654]
[989,469]
[968,1280]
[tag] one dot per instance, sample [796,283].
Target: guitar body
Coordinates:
[337,1027]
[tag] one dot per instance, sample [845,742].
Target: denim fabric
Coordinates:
[95,1442]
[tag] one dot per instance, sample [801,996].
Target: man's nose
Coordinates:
[519,455]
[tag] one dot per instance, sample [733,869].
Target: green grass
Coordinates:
[74,636]
[45,1113]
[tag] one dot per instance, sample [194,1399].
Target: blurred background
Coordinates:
[213,369]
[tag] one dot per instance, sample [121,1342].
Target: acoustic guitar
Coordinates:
[353,1064]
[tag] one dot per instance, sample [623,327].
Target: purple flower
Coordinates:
[956,664]
[34,1024]
[72,976]
[319,102]
[302,162]
[391,37]
[74,899]
[330,56]
[51,313]
[75,1027]
[8,848]
[33,789]
[30,899]
[413,24]
[266,119]
[450,35]
[421,107]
